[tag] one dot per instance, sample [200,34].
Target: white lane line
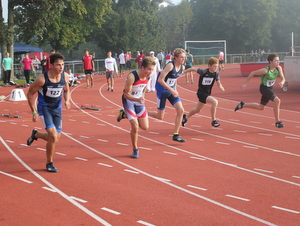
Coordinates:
[99,124]
[192,186]
[123,144]
[197,139]
[217,142]
[58,153]
[145,148]
[18,178]
[110,211]
[9,141]
[49,189]
[13,123]
[42,149]
[296,177]
[24,145]
[102,140]
[145,223]
[162,179]
[239,131]
[284,209]
[153,132]
[102,164]
[250,147]
[262,170]
[83,136]
[255,122]
[72,120]
[131,171]
[85,122]
[170,153]
[78,199]
[265,134]
[234,120]
[296,138]
[192,157]
[81,159]
[196,126]
[239,198]
[25,125]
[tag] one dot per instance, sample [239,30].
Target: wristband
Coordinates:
[33,112]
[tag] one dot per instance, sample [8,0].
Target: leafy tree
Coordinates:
[176,22]
[70,27]
[244,24]
[287,21]
[132,25]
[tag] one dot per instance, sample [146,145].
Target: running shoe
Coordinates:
[239,106]
[92,85]
[87,87]
[108,89]
[51,168]
[32,137]
[215,123]
[121,115]
[135,153]
[184,120]
[279,124]
[178,138]
[112,89]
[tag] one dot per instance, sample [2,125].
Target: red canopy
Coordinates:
[38,54]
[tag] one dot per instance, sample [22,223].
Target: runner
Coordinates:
[134,101]
[268,77]
[206,82]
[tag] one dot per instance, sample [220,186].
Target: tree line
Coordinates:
[132,25]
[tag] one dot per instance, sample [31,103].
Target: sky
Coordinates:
[4,13]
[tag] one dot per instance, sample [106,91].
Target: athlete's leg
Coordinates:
[159,114]
[144,123]
[276,109]
[195,110]
[92,80]
[214,105]
[192,77]
[179,110]
[53,137]
[254,106]
[87,78]
[112,82]
[134,132]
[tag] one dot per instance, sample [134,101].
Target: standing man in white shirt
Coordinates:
[153,78]
[122,58]
[111,67]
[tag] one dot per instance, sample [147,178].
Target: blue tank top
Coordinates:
[170,78]
[50,94]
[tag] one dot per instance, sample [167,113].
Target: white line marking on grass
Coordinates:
[145,223]
[192,157]
[123,144]
[262,170]
[236,197]
[251,147]
[192,186]
[296,138]
[78,199]
[265,134]
[18,178]
[102,140]
[217,142]
[102,164]
[170,153]
[284,209]
[197,139]
[49,189]
[81,159]
[131,171]
[110,211]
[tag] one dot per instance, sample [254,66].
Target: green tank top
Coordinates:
[269,78]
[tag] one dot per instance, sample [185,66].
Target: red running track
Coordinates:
[245,172]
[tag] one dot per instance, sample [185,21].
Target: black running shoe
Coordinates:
[121,115]
[279,124]
[32,137]
[135,153]
[184,120]
[239,106]
[215,123]
[51,168]
[178,138]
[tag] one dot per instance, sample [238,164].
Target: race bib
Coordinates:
[171,81]
[207,81]
[270,83]
[53,92]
